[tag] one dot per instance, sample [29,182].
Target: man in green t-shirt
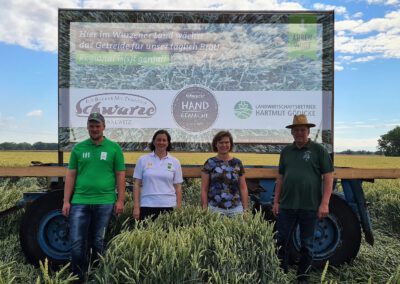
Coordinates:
[302,193]
[96,165]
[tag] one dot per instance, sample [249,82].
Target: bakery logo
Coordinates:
[243,109]
[195,109]
[116,105]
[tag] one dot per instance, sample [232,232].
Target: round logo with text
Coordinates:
[195,109]
[243,109]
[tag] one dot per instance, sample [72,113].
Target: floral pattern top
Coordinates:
[224,188]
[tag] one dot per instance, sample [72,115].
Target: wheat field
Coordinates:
[24,158]
[180,252]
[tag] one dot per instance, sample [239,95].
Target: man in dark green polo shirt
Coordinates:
[302,193]
[96,165]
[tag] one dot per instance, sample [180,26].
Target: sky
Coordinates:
[367,63]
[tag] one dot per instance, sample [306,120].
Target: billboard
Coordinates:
[195,73]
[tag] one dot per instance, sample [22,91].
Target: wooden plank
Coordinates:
[44,171]
[194,172]
[356,173]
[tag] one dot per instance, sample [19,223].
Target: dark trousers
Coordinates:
[87,225]
[288,219]
[153,212]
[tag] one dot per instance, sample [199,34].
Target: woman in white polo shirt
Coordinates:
[158,179]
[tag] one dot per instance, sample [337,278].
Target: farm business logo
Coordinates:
[243,109]
[116,105]
[195,109]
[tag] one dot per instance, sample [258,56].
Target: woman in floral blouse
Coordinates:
[223,184]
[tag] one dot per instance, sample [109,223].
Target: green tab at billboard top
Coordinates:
[302,36]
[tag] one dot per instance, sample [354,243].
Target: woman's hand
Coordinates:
[136,213]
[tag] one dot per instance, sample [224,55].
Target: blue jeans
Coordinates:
[87,225]
[288,219]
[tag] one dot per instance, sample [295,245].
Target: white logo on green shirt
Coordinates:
[307,156]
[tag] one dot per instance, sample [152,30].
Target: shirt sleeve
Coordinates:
[326,164]
[281,168]
[178,176]
[138,172]
[73,160]
[119,162]
[206,167]
[241,167]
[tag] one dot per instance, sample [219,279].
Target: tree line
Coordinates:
[359,152]
[27,146]
[389,143]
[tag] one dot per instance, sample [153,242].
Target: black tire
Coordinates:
[338,236]
[44,231]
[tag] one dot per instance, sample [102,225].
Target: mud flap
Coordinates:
[354,195]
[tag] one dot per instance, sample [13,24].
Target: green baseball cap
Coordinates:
[95,116]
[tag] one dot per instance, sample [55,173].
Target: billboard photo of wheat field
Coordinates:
[176,248]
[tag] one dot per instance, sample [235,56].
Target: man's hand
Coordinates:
[323,211]
[275,209]
[136,213]
[119,207]
[66,208]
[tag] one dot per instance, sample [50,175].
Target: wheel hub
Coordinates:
[53,235]
[327,237]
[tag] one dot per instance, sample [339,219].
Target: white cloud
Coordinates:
[390,23]
[368,144]
[391,2]
[33,23]
[364,59]
[355,126]
[338,67]
[385,44]
[375,1]
[35,113]
[384,2]
[340,10]
[26,130]
[347,25]
[21,134]
[370,40]
[349,59]
[194,5]
[345,57]
[361,135]
[5,122]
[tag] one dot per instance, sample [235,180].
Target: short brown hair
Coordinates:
[161,131]
[218,138]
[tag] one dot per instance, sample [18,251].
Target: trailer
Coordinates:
[195,73]
[44,230]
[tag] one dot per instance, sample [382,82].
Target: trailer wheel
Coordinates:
[44,231]
[337,237]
